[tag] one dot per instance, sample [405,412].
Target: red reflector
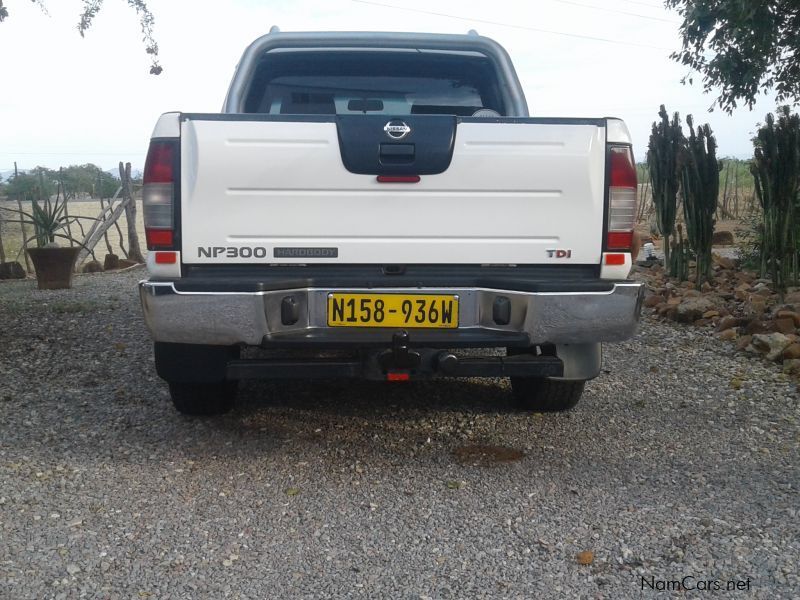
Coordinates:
[619,240]
[398,376]
[623,169]
[166,258]
[158,166]
[615,259]
[398,178]
[158,237]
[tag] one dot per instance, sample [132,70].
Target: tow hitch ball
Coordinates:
[399,358]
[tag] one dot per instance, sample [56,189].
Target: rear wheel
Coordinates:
[196,375]
[203,399]
[540,394]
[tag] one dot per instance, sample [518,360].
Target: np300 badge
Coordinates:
[397,130]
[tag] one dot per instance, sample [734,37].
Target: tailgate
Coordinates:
[276,190]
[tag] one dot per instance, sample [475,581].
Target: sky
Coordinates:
[67,100]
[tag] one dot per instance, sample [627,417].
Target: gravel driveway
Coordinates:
[321,490]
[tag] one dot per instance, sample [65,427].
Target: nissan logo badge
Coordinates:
[397,130]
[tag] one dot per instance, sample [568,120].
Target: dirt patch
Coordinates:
[486,455]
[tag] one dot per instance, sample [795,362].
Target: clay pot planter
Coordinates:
[54,266]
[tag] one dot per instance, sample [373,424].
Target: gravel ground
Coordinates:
[665,469]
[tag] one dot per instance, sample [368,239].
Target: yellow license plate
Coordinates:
[393,310]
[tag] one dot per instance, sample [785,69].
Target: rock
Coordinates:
[722,238]
[691,309]
[674,301]
[755,326]
[709,314]
[789,314]
[727,334]
[111,262]
[755,306]
[702,322]
[653,300]
[743,342]
[93,266]
[126,263]
[728,322]
[792,298]
[692,293]
[11,270]
[771,344]
[706,287]
[791,352]
[723,261]
[784,325]
[792,366]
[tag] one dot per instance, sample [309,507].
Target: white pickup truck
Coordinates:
[374,204]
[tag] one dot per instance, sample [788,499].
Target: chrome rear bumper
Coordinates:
[254,318]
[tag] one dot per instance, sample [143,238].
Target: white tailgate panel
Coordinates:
[512,192]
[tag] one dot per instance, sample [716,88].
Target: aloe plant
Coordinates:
[776,170]
[49,219]
[700,170]
[666,143]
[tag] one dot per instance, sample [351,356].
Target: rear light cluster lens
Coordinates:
[621,198]
[158,195]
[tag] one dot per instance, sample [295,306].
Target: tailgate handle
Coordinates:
[396,153]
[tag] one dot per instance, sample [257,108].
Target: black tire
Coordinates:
[540,394]
[203,399]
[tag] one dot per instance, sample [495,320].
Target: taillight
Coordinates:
[621,198]
[158,195]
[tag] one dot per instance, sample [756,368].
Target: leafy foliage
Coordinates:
[742,47]
[89,12]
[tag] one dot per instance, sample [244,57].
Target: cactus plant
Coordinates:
[776,170]
[666,142]
[679,256]
[699,170]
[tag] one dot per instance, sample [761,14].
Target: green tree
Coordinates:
[89,12]
[37,184]
[742,47]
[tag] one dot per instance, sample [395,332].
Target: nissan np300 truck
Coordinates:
[380,205]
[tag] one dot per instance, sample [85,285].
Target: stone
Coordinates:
[770,344]
[755,306]
[755,326]
[785,325]
[93,266]
[789,314]
[727,334]
[706,287]
[792,298]
[726,323]
[11,270]
[723,261]
[692,293]
[743,342]
[127,263]
[692,309]
[791,366]
[111,262]
[791,352]
[710,314]
[653,300]
[702,322]
[722,238]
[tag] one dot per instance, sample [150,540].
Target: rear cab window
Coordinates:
[374,81]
